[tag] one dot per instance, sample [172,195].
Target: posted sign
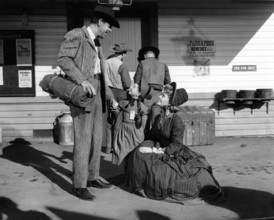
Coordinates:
[238,68]
[201,48]
[17,63]
[24,79]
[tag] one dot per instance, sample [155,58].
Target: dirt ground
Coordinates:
[35,183]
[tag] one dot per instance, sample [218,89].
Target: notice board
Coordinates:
[17,76]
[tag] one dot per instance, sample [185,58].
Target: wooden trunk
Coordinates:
[199,125]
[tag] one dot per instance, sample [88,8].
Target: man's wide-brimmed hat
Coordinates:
[104,12]
[144,50]
[120,48]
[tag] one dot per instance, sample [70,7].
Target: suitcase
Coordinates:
[199,125]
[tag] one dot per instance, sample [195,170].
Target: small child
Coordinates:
[129,126]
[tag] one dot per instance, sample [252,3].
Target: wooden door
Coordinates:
[129,33]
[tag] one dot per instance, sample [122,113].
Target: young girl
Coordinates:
[129,126]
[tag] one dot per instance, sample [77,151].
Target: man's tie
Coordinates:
[97,42]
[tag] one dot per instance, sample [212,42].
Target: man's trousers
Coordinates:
[88,141]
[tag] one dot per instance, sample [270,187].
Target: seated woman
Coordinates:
[163,167]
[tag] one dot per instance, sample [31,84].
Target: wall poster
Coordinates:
[23,52]
[201,51]
[17,75]
[202,67]
[24,78]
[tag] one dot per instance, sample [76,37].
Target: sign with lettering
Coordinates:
[201,48]
[202,67]
[239,68]
[17,61]
[24,79]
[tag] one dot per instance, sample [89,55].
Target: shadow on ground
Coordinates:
[248,203]
[113,174]
[9,209]
[68,215]
[20,151]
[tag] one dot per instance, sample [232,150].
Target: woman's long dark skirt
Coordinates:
[186,175]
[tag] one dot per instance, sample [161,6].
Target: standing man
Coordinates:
[118,80]
[117,72]
[80,58]
[151,73]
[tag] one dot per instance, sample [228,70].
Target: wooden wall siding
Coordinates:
[243,33]
[242,122]
[220,78]
[19,117]
[48,20]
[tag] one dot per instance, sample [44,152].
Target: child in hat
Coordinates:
[129,127]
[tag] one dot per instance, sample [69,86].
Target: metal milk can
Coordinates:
[65,127]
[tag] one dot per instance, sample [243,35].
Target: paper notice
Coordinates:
[24,78]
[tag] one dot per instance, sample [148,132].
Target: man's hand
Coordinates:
[134,91]
[88,87]
[114,104]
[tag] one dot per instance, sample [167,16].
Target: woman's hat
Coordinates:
[180,97]
[120,48]
[104,12]
[144,50]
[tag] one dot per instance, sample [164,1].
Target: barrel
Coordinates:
[264,93]
[231,94]
[65,129]
[247,94]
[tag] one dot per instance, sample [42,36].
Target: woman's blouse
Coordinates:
[168,130]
